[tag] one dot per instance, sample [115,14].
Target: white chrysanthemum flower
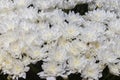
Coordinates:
[28,38]
[10,16]
[108,5]
[89,35]
[83,1]
[114,47]
[81,45]
[70,31]
[19,70]
[108,54]
[11,25]
[98,27]
[26,60]
[68,4]
[63,43]
[27,13]
[36,41]
[34,30]
[46,4]
[92,31]
[50,34]
[76,48]
[7,38]
[50,78]
[27,26]
[64,4]
[6,5]
[115,26]
[100,16]
[59,55]
[55,16]
[92,71]
[51,69]
[42,25]
[35,53]
[15,48]
[13,67]
[77,63]
[74,18]
[8,63]
[114,69]
[22,3]
[2,57]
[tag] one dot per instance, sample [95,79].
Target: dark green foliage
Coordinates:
[81,9]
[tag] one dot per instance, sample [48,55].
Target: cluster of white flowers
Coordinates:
[34,30]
